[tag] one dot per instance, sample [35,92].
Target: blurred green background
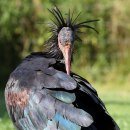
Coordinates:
[103,59]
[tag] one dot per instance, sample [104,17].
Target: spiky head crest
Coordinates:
[59,22]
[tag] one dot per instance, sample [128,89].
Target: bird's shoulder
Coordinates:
[39,93]
[43,94]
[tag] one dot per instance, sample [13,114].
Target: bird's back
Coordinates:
[40,95]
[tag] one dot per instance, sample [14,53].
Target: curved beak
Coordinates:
[67,50]
[67,55]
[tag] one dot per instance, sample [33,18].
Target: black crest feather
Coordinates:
[58,22]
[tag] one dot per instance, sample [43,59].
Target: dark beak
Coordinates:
[67,57]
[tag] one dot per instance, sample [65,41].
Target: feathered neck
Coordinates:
[52,50]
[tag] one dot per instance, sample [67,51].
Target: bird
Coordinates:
[42,93]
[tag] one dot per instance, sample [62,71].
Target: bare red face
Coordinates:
[65,42]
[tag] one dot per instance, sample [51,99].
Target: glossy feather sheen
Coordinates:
[56,100]
[65,124]
[64,96]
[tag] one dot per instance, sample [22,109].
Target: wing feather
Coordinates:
[50,92]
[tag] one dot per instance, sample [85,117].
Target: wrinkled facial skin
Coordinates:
[66,36]
[65,42]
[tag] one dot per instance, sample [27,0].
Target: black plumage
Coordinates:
[40,95]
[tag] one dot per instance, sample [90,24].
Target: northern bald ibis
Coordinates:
[43,94]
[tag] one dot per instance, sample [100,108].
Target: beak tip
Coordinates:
[68,73]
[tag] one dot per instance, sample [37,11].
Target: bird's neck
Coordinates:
[54,53]
[52,49]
